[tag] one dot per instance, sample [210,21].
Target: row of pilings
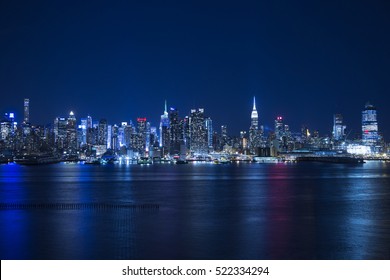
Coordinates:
[77,206]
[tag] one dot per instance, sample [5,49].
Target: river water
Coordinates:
[195,211]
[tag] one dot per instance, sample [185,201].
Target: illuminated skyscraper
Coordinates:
[83,128]
[198,132]
[5,127]
[141,136]
[26,110]
[114,137]
[186,132]
[60,132]
[175,132]
[90,131]
[164,130]
[243,140]
[109,136]
[370,134]
[129,135]
[102,132]
[338,127]
[147,137]
[153,137]
[279,128]
[71,134]
[254,133]
[254,116]
[209,127]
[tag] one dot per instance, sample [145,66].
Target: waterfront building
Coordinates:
[370,134]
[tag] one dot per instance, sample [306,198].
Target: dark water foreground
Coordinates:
[195,211]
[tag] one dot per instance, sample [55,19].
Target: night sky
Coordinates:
[120,60]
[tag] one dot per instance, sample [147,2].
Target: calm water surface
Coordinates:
[206,211]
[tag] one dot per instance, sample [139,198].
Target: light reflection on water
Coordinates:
[245,211]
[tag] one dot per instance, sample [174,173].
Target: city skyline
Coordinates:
[253,121]
[305,61]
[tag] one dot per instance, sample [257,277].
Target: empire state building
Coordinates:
[254,117]
[254,135]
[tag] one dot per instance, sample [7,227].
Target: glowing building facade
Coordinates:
[254,132]
[198,132]
[370,134]
[164,131]
[175,132]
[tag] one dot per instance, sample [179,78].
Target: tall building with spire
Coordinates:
[164,130]
[254,133]
[254,116]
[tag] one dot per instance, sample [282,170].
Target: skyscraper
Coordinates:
[26,118]
[164,130]
[141,136]
[83,127]
[109,136]
[90,131]
[254,116]
[71,134]
[129,135]
[254,134]
[176,132]
[338,127]
[147,136]
[102,132]
[370,134]
[209,128]
[198,132]
[5,127]
[279,128]
[114,137]
[60,131]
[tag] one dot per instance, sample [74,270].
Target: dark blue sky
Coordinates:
[119,60]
